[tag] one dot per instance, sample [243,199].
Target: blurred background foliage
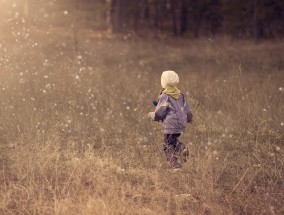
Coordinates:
[255,19]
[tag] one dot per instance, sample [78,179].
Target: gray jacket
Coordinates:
[175,114]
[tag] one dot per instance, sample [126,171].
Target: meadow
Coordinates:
[75,138]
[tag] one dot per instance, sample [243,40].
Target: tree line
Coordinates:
[238,18]
[258,19]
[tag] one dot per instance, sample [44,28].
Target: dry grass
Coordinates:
[74,138]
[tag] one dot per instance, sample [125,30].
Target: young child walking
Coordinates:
[174,111]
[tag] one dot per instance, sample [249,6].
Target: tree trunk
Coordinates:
[146,9]
[158,17]
[255,21]
[184,16]
[174,17]
[108,15]
[157,14]
[116,19]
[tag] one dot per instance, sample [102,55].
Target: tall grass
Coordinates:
[75,139]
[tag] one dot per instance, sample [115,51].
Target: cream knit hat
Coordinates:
[169,78]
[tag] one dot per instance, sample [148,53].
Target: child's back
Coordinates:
[175,113]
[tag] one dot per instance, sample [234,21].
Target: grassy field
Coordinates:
[75,139]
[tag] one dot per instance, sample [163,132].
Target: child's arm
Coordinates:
[161,109]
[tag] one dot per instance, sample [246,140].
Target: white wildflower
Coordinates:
[119,169]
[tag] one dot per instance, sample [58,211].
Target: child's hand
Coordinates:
[150,115]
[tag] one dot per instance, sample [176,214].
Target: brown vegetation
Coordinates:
[74,138]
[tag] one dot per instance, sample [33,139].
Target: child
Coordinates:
[173,110]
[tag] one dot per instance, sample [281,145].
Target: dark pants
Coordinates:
[171,147]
